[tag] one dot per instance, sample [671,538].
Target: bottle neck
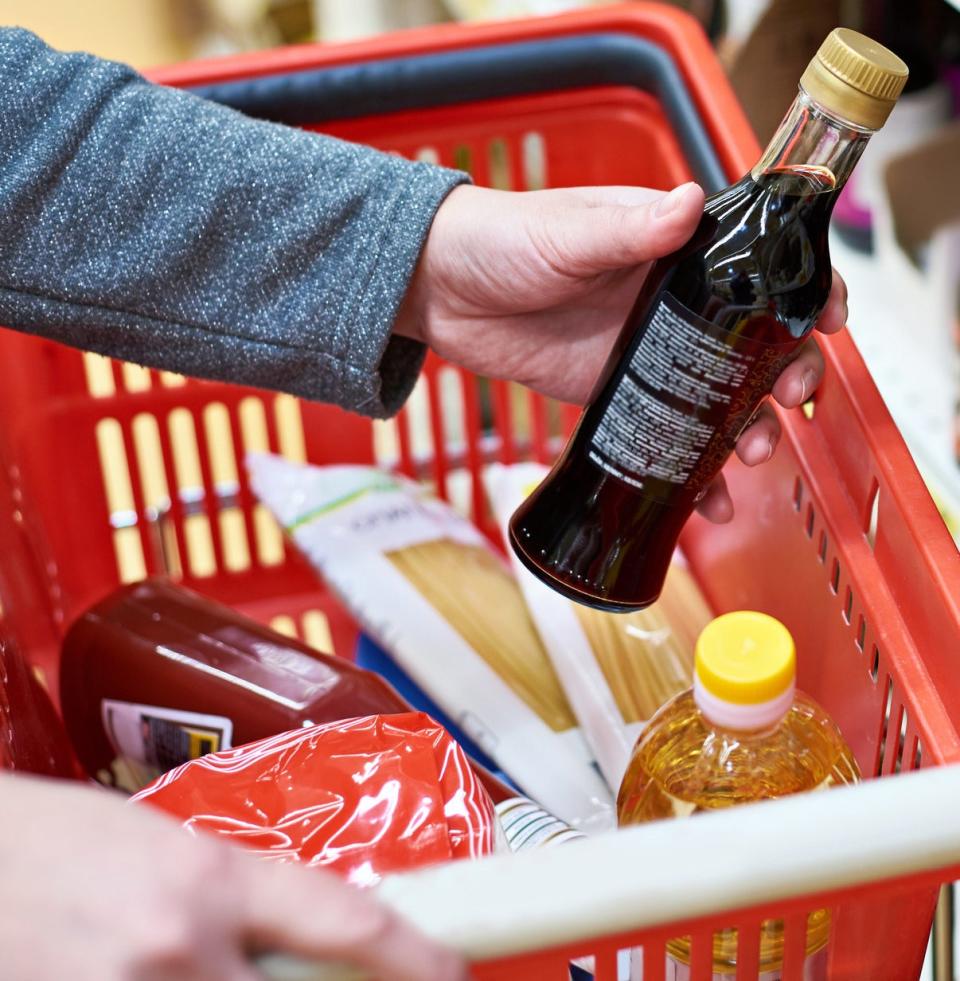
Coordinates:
[812,147]
[746,718]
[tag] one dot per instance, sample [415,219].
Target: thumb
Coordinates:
[605,236]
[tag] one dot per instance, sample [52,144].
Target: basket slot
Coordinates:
[245,499]
[150,466]
[258,436]
[436,411]
[911,753]
[386,449]
[224,480]
[211,496]
[253,424]
[289,419]
[201,559]
[463,159]
[901,741]
[98,374]
[449,427]
[176,508]
[873,514]
[136,378]
[423,440]
[403,434]
[316,631]
[499,164]
[516,178]
[885,716]
[848,606]
[861,635]
[118,488]
[467,158]
[283,624]
[534,155]
[148,530]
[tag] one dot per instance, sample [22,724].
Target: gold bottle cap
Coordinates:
[855,78]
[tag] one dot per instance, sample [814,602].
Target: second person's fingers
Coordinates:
[313,914]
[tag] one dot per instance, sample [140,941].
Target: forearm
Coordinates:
[149,225]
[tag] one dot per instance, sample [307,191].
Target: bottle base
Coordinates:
[568,590]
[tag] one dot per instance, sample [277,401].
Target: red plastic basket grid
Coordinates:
[836,536]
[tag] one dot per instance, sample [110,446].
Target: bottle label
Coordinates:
[153,740]
[527,825]
[681,397]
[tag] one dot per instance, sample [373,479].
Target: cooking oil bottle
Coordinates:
[741,734]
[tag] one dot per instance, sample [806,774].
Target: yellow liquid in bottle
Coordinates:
[682,764]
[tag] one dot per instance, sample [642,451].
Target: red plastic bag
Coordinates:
[362,797]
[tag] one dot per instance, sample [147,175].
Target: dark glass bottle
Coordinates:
[713,327]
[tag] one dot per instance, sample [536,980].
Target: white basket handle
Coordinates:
[675,870]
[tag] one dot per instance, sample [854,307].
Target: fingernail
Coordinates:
[669,202]
[808,382]
[771,446]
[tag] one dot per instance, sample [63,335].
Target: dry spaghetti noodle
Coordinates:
[647,656]
[473,591]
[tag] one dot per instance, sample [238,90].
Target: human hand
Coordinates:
[535,287]
[97,890]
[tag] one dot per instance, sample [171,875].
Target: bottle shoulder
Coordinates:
[759,252]
[691,759]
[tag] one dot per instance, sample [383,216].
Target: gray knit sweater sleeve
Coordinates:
[149,225]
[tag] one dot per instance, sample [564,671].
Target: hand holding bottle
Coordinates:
[535,287]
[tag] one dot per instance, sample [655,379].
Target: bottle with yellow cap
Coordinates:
[714,325]
[741,734]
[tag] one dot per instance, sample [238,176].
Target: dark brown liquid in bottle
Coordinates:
[713,327]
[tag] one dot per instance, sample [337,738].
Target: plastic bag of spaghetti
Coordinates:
[616,669]
[424,583]
[362,797]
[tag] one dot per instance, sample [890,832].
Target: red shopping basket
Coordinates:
[119,472]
